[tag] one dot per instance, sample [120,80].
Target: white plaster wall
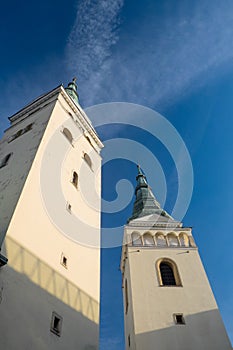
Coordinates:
[153,305]
[34,282]
[13,176]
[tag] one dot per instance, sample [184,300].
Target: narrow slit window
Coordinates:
[75,179]
[68,134]
[87,159]
[68,207]
[64,260]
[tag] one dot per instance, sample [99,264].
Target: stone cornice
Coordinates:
[34,104]
[80,115]
[151,226]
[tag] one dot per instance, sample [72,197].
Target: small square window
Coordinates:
[179,319]
[56,324]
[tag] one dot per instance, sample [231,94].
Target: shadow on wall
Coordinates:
[202,331]
[38,272]
[31,293]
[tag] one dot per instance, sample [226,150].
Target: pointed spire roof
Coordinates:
[145,203]
[71,89]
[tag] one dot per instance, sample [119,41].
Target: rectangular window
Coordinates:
[179,319]
[56,324]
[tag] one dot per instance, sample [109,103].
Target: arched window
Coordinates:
[68,134]
[168,273]
[148,239]
[161,240]
[87,159]
[191,242]
[5,160]
[184,240]
[172,240]
[75,179]
[136,238]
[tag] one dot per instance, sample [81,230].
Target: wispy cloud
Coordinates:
[162,55]
[91,39]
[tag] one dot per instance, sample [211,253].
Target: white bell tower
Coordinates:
[50,183]
[168,302]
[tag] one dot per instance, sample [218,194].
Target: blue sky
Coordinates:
[174,57]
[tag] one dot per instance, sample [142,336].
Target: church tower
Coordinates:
[168,302]
[50,183]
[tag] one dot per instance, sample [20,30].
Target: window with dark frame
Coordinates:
[56,324]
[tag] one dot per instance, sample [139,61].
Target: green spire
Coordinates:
[145,202]
[71,89]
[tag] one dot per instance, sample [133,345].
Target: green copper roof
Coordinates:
[145,202]
[71,89]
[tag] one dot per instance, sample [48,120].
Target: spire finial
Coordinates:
[139,170]
[71,89]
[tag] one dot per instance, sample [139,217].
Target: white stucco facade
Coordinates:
[50,227]
[168,302]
